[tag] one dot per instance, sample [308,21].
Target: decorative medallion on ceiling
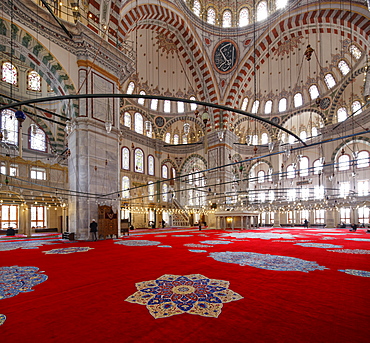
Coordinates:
[225,56]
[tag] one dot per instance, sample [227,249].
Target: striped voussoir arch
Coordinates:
[154,17]
[355,21]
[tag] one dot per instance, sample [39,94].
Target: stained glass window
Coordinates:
[154,104]
[196,8]
[282,104]
[139,161]
[165,192]
[37,138]
[268,106]
[139,123]
[356,107]
[141,101]
[245,104]
[125,187]
[226,19]
[314,92]
[341,114]
[34,81]
[355,51]
[344,67]
[175,139]
[164,171]
[130,88]
[150,165]
[151,190]
[125,158]
[184,139]
[262,10]
[329,80]
[211,16]
[255,106]
[9,73]
[243,17]
[193,106]
[298,100]
[127,119]
[167,138]
[167,106]
[9,127]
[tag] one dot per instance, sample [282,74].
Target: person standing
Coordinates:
[94,229]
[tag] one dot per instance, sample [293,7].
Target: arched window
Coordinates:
[193,106]
[260,176]
[125,187]
[291,139]
[9,126]
[356,107]
[139,123]
[9,73]
[175,139]
[33,81]
[148,129]
[130,88]
[303,135]
[180,107]
[341,114]
[290,172]
[303,166]
[268,106]
[211,16]
[363,159]
[314,92]
[151,190]
[344,67]
[196,8]
[281,4]
[141,101]
[173,171]
[317,166]
[125,158]
[167,138]
[37,138]
[226,19]
[184,139]
[139,161]
[127,119]
[150,165]
[343,162]
[255,106]
[243,17]
[164,171]
[154,104]
[329,80]
[282,105]
[165,192]
[262,10]
[314,131]
[167,106]
[255,140]
[244,104]
[355,51]
[264,138]
[298,100]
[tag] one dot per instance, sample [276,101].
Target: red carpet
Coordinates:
[83,299]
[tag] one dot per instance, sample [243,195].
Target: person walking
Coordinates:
[94,229]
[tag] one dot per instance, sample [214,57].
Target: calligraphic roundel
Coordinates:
[225,56]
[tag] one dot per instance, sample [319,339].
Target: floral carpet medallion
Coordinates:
[319,245]
[266,261]
[15,280]
[176,294]
[71,250]
[362,273]
[2,319]
[138,243]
